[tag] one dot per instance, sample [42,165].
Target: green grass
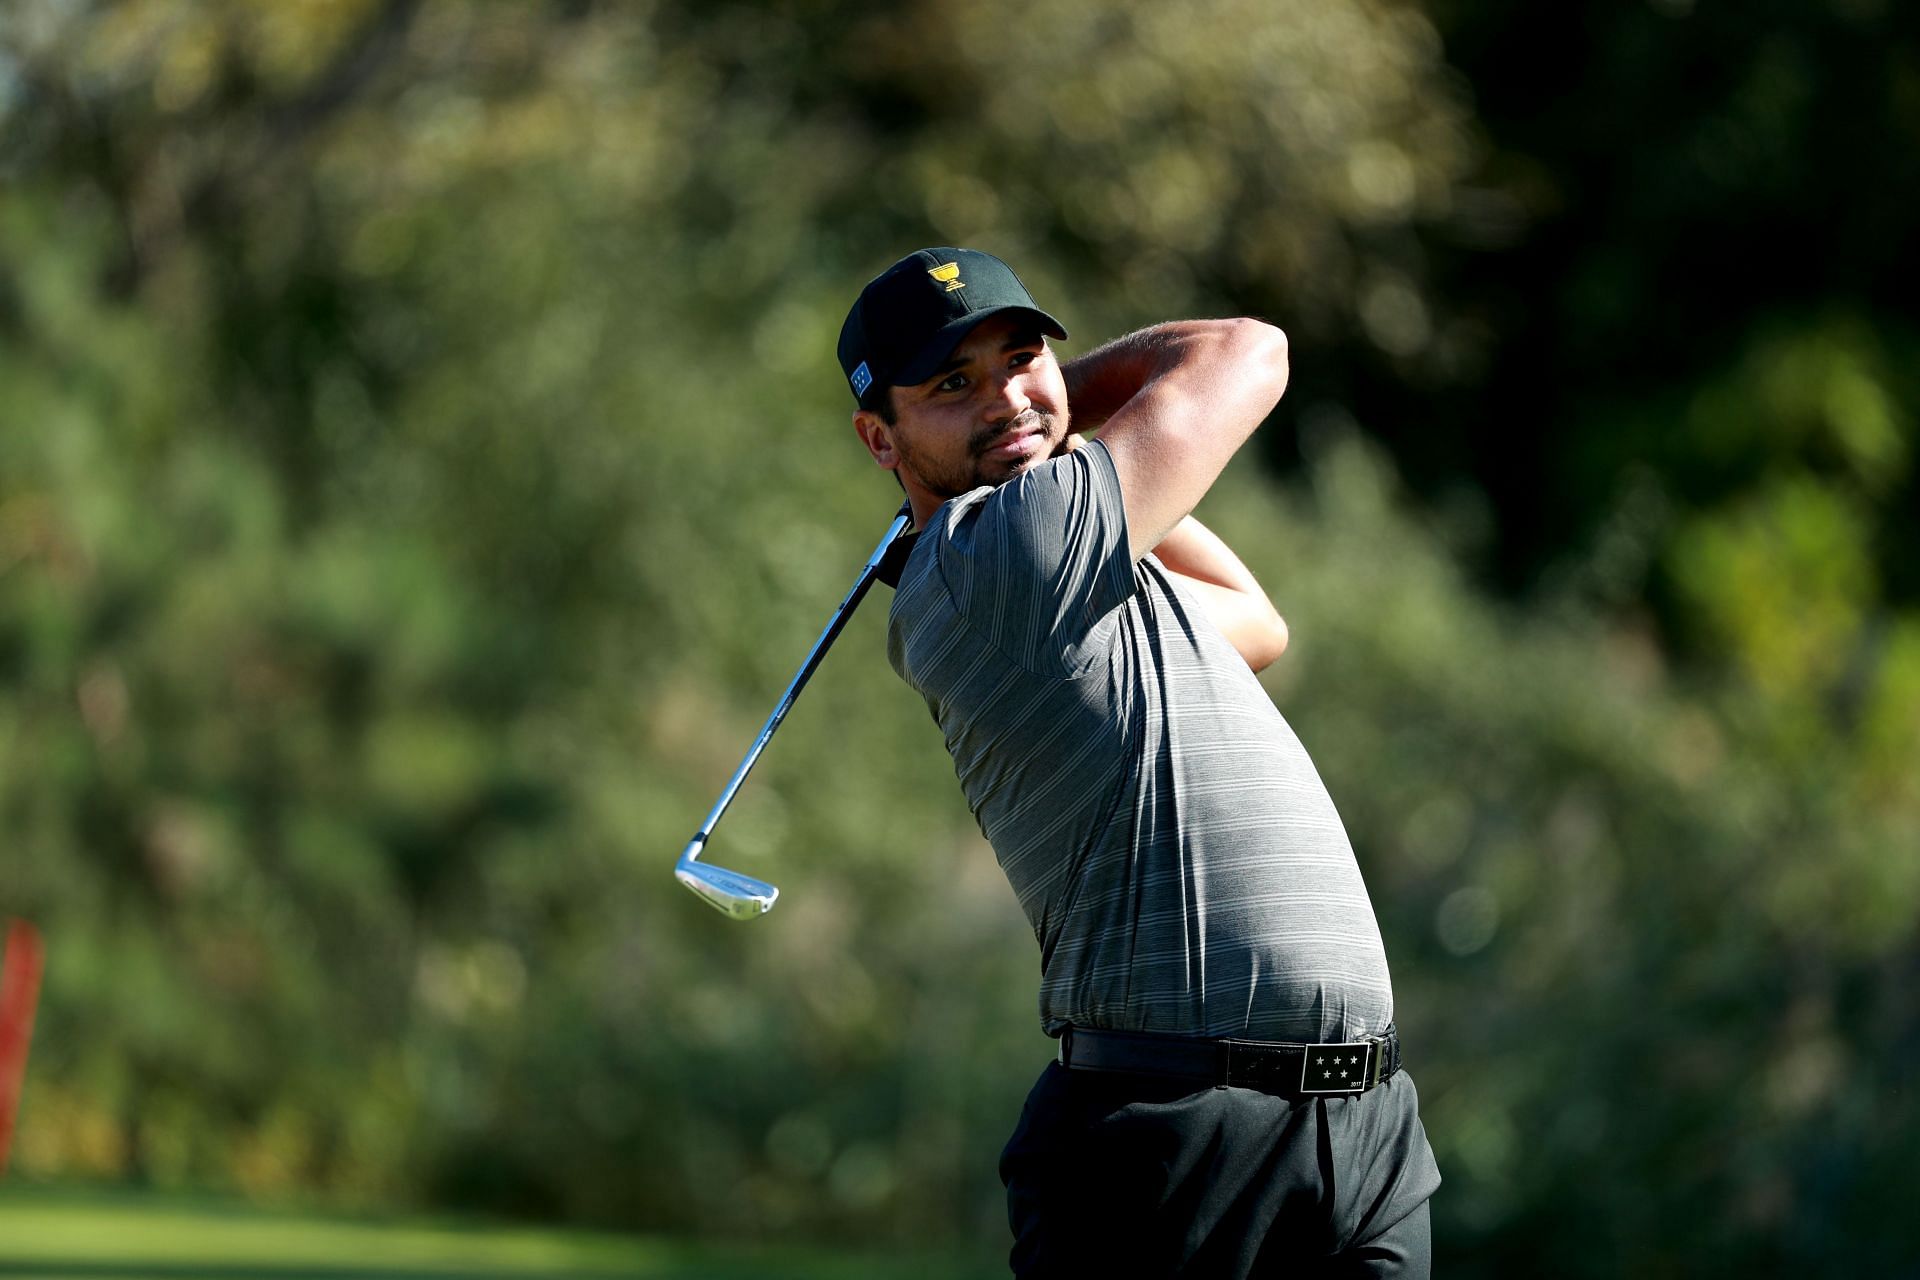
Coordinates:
[126,1236]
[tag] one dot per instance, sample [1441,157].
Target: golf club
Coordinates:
[741,896]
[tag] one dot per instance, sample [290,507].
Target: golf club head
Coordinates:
[728,892]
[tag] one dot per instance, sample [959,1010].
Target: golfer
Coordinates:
[1229,1098]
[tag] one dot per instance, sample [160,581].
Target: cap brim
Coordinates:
[941,345]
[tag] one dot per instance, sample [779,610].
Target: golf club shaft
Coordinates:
[867,574]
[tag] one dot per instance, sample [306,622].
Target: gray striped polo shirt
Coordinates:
[1173,847]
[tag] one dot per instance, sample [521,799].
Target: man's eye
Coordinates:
[953,382]
[1022,358]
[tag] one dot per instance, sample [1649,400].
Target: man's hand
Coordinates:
[1227,591]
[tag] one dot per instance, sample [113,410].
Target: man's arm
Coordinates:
[1174,403]
[1227,590]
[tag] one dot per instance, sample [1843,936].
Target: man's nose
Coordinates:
[1009,399]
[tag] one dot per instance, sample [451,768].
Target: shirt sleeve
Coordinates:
[1037,564]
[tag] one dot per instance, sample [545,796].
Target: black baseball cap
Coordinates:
[911,316]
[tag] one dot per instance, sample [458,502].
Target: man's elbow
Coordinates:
[1267,643]
[1262,353]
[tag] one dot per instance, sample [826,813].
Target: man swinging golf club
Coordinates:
[1229,1098]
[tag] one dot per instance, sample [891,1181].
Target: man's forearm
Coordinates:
[1195,551]
[1098,384]
[1226,589]
[1173,403]
[1103,379]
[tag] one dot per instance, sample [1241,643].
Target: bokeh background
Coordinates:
[423,463]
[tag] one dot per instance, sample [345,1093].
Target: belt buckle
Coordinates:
[1338,1068]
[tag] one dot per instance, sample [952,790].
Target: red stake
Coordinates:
[19,992]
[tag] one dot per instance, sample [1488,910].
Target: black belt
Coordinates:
[1287,1070]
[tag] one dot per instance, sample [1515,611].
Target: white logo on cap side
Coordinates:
[861,379]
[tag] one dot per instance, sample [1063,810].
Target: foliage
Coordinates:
[423,465]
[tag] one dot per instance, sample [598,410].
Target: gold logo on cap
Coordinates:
[948,273]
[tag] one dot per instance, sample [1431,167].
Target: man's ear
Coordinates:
[877,436]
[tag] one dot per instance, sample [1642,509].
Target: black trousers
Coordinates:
[1141,1176]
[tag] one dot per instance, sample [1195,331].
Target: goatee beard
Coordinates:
[952,484]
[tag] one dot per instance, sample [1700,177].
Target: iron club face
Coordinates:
[728,892]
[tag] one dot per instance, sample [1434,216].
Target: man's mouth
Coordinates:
[1015,444]
[1026,437]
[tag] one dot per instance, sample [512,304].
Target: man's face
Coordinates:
[996,407]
